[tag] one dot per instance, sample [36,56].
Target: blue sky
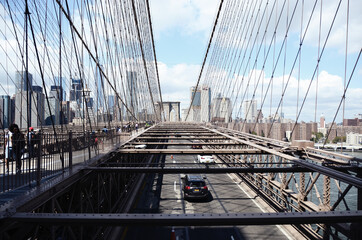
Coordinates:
[182,29]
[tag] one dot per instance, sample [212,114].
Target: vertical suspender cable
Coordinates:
[203,64]
[319,46]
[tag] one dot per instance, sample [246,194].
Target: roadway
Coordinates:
[163,194]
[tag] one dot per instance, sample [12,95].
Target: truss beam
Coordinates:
[201,219]
[206,169]
[190,151]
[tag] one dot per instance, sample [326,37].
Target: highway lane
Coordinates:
[226,197]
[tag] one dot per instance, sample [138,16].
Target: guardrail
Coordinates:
[48,155]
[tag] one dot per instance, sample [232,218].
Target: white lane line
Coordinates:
[174,186]
[252,199]
[232,237]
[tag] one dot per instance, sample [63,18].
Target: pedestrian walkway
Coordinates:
[12,184]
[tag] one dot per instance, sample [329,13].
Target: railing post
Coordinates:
[89,144]
[39,140]
[70,150]
[356,228]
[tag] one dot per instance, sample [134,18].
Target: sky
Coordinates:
[182,29]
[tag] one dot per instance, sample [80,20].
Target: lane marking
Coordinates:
[252,199]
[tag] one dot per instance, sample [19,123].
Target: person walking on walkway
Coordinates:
[8,147]
[18,146]
[31,141]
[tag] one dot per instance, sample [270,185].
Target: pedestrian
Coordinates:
[96,143]
[31,141]
[8,147]
[136,127]
[18,143]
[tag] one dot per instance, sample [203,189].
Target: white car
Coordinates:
[141,146]
[205,158]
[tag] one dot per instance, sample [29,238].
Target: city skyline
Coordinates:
[182,30]
[181,43]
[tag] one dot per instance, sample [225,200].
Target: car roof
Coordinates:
[195,178]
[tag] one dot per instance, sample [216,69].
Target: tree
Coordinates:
[317,136]
[339,139]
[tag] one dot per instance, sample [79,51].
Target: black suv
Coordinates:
[194,186]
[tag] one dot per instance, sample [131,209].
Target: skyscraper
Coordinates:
[23,102]
[195,111]
[250,110]
[205,103]
[37,99]
[21,81]
[100,88]
[322,122]
[132,93]
[53,116]
[60,82]
[221,109]
[75,93]
[5,111]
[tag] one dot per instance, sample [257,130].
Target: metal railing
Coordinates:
[48,155]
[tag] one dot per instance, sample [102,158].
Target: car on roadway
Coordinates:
[196,144]
[205,159]
[194,187]
[140,146]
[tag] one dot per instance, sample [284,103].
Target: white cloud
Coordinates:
[187,16]
[337,38]
[176,82]
[330,91]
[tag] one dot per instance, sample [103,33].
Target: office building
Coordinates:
[5,111]
[221,110]
[131,94]
[250,111]
[23,81]
[75,93]
[52,113]
[38,106]
[322,122]
[195,111]
[61,85]
[353,138]
[100,88]
[205,103]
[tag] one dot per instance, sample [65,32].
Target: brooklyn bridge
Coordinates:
[91,149]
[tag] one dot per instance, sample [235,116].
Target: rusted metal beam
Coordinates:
[197,219]
[184,143]
[206,169]
[191,151]
[185,138]
[349,179]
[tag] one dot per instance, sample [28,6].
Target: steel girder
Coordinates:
[357,182]
[190,151]
[200,219]
[207,169]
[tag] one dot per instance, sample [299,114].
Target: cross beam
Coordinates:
[205,169]
[200,219]
[190,151]
[185,143]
